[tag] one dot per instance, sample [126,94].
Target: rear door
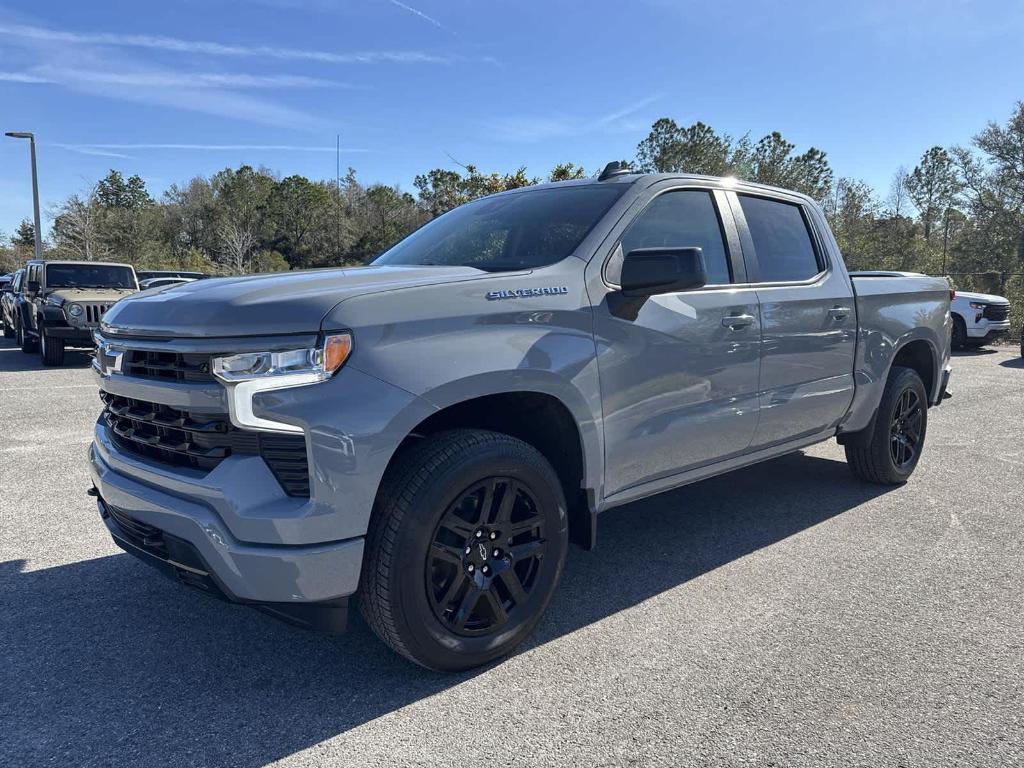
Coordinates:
[808,319]
[678,371]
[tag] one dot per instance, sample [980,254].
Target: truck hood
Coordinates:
[987,298]
[62,295]
[262,305]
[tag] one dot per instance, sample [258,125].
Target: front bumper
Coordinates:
[989,330]
[81,336]
[241,571]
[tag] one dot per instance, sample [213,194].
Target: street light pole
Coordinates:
[35,187]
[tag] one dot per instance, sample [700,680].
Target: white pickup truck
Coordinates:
[978,318]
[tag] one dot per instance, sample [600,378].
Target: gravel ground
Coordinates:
[782,615]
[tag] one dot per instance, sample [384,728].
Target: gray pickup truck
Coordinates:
[427,434]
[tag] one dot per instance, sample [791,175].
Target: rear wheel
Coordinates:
[897,439]
[959,338]
[465,549]
[50,349]
[26,342]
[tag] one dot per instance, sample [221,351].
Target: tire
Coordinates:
[26,342]
[426,558]
[892,452]
[50,349]
[958,339]
[8,331]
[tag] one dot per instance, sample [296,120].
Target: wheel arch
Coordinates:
[558,426]
[921,356]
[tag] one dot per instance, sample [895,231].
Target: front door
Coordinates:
[679,371]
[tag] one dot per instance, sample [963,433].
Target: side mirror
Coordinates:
[651,271]
[32,286]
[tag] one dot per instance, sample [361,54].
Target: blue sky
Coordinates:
[175,89]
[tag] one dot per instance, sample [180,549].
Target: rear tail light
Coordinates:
[952,294]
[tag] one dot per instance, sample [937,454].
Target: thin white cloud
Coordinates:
[169,79]
[85,150]
[22,77]
[419,13]
[178,45]
[537,128]
[211,147]
[613,117]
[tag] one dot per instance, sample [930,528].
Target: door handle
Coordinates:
[736,322]
[839,313]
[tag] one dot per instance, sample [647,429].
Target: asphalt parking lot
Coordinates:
[783,615]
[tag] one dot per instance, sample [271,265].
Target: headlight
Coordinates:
[249,373]
[74,310]
[978,305]
[320,362]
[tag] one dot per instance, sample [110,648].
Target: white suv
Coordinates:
[978,318]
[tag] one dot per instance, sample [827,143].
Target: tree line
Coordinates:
[957,210]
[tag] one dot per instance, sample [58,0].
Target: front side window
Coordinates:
[782,241]
[684,218]
[89,276]
[523,230]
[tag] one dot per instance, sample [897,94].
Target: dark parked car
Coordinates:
[10,295]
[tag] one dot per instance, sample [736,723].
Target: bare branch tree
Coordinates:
[898,201]
[237,242]
[77,227]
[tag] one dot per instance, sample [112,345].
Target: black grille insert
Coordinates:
[167,366]
[202,440]
[997,311]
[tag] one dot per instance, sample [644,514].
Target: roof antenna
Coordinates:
[613,169]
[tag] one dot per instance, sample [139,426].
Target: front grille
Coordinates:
[166,366]
[94,313]
[996,311]
[202,441]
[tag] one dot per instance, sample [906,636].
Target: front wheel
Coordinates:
[465,549]
[8,331]
[897,439]
[51,349]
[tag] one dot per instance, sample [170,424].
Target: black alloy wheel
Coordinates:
[888,450]
[905,429]
[485,556]
[465,548]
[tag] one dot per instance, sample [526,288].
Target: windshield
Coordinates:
[89,276]
[519,231]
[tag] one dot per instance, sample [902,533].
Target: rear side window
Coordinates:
[782,242]
[686,218]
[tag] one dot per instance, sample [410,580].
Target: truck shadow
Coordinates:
[107,661]
[973,352]
[13,359]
